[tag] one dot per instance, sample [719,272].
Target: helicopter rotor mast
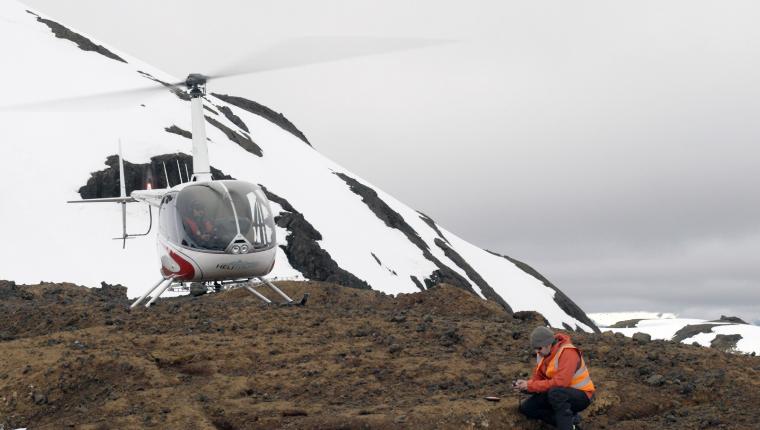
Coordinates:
[196,85]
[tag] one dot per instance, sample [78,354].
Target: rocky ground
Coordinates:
[73,357]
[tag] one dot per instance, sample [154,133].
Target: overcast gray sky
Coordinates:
[611,145]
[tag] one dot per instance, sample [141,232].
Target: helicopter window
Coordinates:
[254,214]
[167,214]
[206,215]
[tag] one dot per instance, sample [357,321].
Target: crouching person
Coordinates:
[561,384]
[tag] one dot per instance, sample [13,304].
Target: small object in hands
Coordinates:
[492,398]
[520,385]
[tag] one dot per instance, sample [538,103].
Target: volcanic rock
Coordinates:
[224,361]
[641,337]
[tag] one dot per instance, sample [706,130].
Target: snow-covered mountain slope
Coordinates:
[333,225]
[727,333]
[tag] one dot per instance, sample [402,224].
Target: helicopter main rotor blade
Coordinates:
[286,54]
[89,102]
[314,50]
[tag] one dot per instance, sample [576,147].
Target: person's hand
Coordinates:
[520,385]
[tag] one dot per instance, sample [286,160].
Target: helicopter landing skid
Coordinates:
[160,287]
[164,283]
[263,298]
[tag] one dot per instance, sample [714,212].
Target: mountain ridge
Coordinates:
[337,217]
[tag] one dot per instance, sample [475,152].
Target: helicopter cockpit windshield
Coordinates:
[225,216]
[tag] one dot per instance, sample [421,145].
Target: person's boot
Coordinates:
[576,422]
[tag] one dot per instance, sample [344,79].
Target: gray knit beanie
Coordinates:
[541,336]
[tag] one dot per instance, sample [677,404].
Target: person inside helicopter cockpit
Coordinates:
[214,214]
[201,229]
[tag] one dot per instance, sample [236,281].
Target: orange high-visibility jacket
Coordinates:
[561,370]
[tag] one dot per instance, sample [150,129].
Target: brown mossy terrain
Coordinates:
[73,357]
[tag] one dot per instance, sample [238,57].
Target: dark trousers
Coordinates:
[556,406]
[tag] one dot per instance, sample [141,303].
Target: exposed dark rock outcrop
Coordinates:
[282,202]
[728,319]
[564,302]
[233,118]
[264,112]
[429,221]
[726,342]
[9,289]
[82,42]
[111,292]
[176,130]
[376,259]
[626,324]
[393,219]
[417,283]
[723,342]
[381,209]
[245,142]
[486,289]
[304,253]
[692,330]
[641,337]
[532,317]
[105,183]
[445,277]
[210,110]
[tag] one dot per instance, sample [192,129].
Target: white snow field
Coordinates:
[46,156]
[665,325]
[606,319]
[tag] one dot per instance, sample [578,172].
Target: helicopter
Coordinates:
[222,232]
[209,231]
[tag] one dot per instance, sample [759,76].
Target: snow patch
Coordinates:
[666,325]
[606,319]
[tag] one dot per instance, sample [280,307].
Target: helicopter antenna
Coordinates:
[123,194]
[166,175]
[187,173]
[179,171]
[123,200]
[122,185]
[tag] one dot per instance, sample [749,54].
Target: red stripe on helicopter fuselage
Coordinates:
[186,271]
